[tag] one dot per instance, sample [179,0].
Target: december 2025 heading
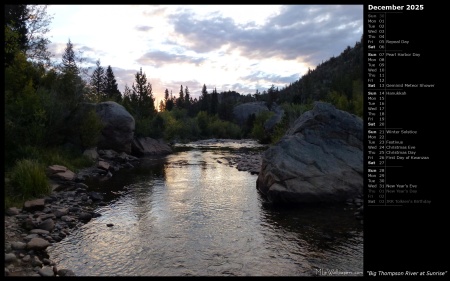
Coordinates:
[413,7]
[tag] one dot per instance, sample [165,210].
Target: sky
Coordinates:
[240,48]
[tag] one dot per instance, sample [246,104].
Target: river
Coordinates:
[192,214]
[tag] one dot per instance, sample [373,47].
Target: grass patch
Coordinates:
[27,179]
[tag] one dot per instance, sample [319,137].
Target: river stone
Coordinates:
[103,165]
[61,212]
[12,211]
[34,205]
[38,244]
[320,159]
[66,176]
[65,272]
[54,169]
[39,231]
[148,146]
[18,245]
[27,258]
[10,257]
[28,224]
[48,225]
[91,153]
[46,271]
[85,217]
[95,196]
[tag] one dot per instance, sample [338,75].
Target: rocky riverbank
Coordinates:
[41,222]
[44,221]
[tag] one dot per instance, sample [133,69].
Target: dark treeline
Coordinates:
[41,96]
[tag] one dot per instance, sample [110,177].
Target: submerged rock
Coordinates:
[148,146]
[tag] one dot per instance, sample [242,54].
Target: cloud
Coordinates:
[273,78]
[159,58]
[311,33]
[143,28]
[154,11]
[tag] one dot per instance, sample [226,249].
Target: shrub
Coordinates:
[291,113]
[258,132]
[28,179]
[143,127]
[90,129]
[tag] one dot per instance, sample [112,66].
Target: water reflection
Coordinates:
[189,214]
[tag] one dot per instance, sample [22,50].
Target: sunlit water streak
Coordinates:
[188,214]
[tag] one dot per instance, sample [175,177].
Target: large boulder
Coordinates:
[320,159]
[243,111]
[148,146]
[118,127]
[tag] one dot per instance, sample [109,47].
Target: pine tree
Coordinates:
[98,82]
[166,95]
[271,96]
[144,94]
[204,99]
[162,106]
[111,88]
[187,98]
[30,24]
[180,100]
[214,102]
[70,87]
[169,101]
[69,63]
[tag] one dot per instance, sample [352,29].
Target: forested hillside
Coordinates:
[40,98]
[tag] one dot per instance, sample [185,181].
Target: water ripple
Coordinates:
[193,216]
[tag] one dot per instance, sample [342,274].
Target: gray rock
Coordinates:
[34,205]
[103,165]
[148,146]
[18,245]
[35,261]
[65,272]
[91,153]
[66,176]
[48,225]
[46,271]
[10,257]
[320,159]
[85,217]
[81,186]
[28,224]
[243,111]
[39,231]
[118,127]
[54,169]
[12,211]
[61,212]
[30,236]
[95,196]
[38,244]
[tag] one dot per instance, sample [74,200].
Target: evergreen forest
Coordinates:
[40,96]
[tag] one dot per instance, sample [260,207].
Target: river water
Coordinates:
[192,214]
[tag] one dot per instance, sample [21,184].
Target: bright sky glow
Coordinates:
[228,47]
